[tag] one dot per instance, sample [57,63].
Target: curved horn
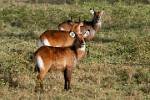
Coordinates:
[79,19]
[71,18]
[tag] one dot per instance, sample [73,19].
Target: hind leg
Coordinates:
[39,82]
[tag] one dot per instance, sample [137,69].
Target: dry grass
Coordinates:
[118,66]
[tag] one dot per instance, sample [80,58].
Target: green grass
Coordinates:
[118,65]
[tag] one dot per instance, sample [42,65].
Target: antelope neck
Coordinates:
[96,24]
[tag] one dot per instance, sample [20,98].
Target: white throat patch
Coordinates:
[72,34]
[82,47]
[87,33]
[99,23]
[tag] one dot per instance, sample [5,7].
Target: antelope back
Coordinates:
[54,58]
[57,38]
[66,25]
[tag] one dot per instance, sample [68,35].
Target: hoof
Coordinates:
[38,89]
[67,89]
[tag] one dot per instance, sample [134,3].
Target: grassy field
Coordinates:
[118,65]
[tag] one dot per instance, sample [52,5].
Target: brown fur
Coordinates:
[65,25]
[92,26]
[57,38]
[59,58]
[55,58]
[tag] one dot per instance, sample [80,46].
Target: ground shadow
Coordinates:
[24,36]
[104,40]
[7,77]
[58,2]
[132,64]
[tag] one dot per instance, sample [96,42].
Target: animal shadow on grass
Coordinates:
[24,35]
[8,76]
[10,79]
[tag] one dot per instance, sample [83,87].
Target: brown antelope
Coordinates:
[58,38]
[67,25]
[93,26]
[58,58]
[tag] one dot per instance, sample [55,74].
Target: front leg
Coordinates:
[67,77]
[39,86]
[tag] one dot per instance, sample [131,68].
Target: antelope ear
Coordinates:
[92,11]
[81,24]
[72,34]
[102,12]
[86,34]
